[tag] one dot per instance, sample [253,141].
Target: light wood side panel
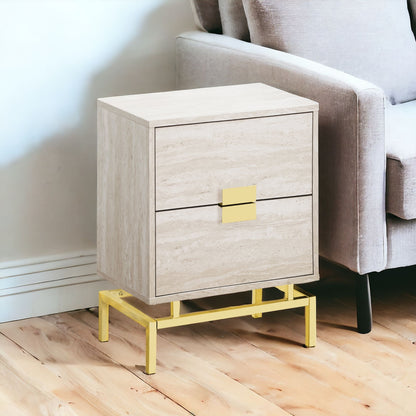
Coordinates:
[195,162]
[195,251]
[125,218]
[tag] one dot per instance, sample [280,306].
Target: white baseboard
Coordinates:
[36,287]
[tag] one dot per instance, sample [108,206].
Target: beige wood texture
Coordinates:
[125,212]
[194,163]
[225,290]
[181,149]
[195,251]
[207,104]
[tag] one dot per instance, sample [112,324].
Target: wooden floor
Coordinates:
[54,365]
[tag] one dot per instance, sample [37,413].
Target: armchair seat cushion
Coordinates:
[401,160]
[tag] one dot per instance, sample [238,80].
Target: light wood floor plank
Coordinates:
[323,381]
[21,397]
[398,314]
[34,372]
[56,366]
[317,370]
[383,349]
[196,385]
[99,378]
[271,376]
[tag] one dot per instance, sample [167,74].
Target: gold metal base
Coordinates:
[294,297]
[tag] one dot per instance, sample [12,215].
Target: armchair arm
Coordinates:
[351,136]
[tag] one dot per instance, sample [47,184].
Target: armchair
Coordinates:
[367,145]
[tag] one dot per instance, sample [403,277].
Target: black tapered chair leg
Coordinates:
[364,310]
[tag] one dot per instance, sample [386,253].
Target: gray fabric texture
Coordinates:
[207,15]
[401,240]
[401,159]
[233,19]
[351,136]
[370,39]
[412,9]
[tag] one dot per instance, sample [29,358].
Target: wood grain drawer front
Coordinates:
[195,162]
[194,250]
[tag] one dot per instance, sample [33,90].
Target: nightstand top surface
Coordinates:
[207,104]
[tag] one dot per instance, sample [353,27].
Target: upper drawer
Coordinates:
[195,162]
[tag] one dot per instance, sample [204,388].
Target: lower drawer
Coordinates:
[195,251]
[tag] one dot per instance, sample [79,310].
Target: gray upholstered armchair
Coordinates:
[358,60]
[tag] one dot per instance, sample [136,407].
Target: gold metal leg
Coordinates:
[288,290]
[151,335]
[310,323]
[103,318]
[175,308]
[257,298]
[295,297]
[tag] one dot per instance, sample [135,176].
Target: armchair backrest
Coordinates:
[411,4]
[221,16]
[207,15]
[370,39]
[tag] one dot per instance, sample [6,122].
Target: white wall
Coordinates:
[56,58]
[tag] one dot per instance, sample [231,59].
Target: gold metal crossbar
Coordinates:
[294,297]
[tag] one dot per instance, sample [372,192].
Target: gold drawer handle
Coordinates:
[239,204]
[242,195]
[235,213]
